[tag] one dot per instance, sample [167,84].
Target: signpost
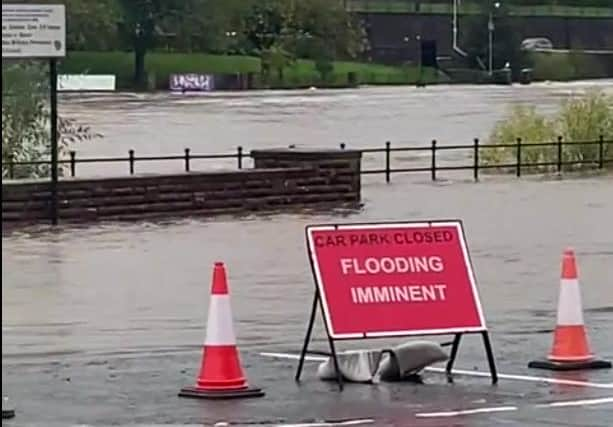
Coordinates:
[33,31]
[392,280]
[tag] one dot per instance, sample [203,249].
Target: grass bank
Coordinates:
[302,73]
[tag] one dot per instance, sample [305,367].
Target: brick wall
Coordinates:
[280,179]
[333,167]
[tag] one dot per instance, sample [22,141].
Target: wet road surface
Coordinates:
[102,325]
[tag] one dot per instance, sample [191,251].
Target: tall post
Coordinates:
[387,161]
[421,65]
[455,46]
[54,149]
[476,159]
[490,32]
[433,166]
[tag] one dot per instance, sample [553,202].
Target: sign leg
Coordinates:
[307,338]
[490,356]
[452,356]
[339,375]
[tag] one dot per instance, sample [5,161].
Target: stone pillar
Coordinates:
[333,166]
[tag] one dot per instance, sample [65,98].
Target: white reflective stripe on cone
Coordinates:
[219,328]
[570,306]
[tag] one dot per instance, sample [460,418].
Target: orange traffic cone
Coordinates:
[221,375]
[571,348]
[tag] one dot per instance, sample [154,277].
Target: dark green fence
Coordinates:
[600,155]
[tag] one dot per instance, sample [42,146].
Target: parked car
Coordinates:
[536,43]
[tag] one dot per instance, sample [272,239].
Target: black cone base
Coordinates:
[569,366]
[8,413]
[220,394]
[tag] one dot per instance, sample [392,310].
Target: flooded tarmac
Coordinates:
[102,325]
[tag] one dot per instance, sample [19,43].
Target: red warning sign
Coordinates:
[394,279]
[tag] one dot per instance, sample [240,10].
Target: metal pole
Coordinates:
[387,161]
[54,149]
[490,29]
[420,53]
[456,48]
[455,24]
[601,152]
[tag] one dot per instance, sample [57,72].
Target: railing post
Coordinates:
[131,161]
[239,156]
[187,160]
[518,171]
[11,166]
[601,152]
[476,158]
[73,163]
[387,161]
[433,169]
[559,154]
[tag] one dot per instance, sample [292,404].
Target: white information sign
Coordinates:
[33,31]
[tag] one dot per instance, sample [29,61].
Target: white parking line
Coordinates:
[527,378]
[294,356]
[331,424]
[466,412]
[586,402]
[558,381]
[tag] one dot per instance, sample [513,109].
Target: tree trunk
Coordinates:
[139,64]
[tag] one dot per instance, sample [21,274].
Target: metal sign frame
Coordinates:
[319,301]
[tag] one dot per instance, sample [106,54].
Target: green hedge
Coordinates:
[302,73]
[588,3]
[566,66]
[581,121]
[572,8]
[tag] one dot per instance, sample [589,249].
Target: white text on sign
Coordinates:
[393,265]
[387,294]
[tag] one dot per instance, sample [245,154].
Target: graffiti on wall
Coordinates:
[191,82]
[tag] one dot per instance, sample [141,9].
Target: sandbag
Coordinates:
[391,364]
[408,359]
[355,366]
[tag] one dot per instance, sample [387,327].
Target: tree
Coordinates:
[281,30]
[277,58]
[326,23]
[145,22]
[92,24]
[23,118]
[302,27]
[25,121]
[264,23]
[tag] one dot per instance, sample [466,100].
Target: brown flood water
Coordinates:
[102,324]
